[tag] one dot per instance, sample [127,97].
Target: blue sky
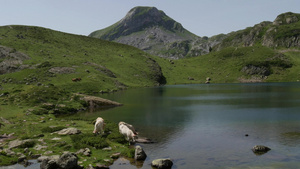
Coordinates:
[201,17]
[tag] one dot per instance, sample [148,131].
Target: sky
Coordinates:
[201,17]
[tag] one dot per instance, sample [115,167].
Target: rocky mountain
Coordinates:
[151,30]
[283,32]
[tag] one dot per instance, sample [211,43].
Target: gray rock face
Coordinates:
[162,163]
[65,161]
[256,70]
[139,153]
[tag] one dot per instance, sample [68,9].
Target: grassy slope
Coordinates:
[225,66]
[129,64]
[48,49]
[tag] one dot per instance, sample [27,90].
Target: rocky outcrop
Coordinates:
[282,32]
[256,70]
[162,163]
[65,161]
[11,60]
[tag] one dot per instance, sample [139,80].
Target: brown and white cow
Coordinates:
[99,126]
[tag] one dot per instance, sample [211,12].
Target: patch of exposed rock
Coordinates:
[68,131]
[96,102]
[62,70]
[11,60]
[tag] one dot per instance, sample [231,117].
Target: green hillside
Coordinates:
[57,58]
[40,72]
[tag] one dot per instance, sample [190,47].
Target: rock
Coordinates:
[143,140]
[65,161]
[35,156]
[260,149]
[48,152]
[21,159]
[86,152]
[56,138]
[39,147]
[68,161]
[17,143]
[68,131]
[115,155]
[9,152]
[139,153]
[162,163]
[99,166]
[107,149]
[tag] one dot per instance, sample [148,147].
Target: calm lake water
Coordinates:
[204,126]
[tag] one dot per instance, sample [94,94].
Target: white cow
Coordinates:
[125,131]
[99,126]
[130,127]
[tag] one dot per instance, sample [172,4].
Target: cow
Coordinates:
[126,132]
[130,127]
[99,126]
[76,79]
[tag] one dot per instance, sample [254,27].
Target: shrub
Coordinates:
[88,140]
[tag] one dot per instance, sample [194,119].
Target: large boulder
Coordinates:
[65,161]
[139,153]
[162,163]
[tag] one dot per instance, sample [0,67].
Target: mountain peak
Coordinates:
[138,19]
[151,30]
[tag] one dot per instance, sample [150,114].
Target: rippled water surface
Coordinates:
[204,126]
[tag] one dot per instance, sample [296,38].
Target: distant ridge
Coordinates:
[153,31]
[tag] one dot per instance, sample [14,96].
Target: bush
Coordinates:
[88,140]
[28,144]
[117,137]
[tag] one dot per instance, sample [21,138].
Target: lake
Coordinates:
[205,126]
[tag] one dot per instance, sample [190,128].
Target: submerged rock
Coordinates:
[260,149]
